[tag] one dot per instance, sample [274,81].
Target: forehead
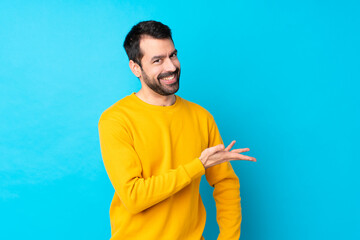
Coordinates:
[153,47]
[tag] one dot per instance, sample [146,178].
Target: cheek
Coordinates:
[156,73]
[153,72]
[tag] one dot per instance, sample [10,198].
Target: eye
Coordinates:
[174,55]
[156,61]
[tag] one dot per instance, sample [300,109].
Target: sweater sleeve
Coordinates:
[125,172]
[226,192]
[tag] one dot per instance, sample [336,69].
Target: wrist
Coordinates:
[203,160]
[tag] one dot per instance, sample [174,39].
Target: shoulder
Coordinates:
[196,108]
[118,110]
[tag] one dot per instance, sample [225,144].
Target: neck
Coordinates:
[155,98]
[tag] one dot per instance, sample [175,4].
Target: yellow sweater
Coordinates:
[151,156]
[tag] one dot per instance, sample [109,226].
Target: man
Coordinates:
[156,146]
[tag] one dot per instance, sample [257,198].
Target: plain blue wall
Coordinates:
[280,77]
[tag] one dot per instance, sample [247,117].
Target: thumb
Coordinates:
[220,147]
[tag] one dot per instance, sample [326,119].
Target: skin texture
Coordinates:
[160,61]
[219,154]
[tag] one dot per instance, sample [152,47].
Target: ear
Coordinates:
[135,68]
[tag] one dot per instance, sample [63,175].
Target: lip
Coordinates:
[170,81]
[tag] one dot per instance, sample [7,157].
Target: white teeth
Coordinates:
[169,78]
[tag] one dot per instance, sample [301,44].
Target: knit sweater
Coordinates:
[151,156]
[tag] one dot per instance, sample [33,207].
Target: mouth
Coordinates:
[169,79]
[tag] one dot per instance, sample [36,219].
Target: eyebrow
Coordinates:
[162,56]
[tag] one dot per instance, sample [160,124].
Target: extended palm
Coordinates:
[219,154]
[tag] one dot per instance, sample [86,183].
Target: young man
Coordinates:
[156,146]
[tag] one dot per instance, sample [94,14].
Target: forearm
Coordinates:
[228,208]
[138,194]
[227,197]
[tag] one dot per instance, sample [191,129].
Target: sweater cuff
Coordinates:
[195,168]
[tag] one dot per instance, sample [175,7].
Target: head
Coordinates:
[153,57]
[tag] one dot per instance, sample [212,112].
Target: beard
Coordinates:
[160,88]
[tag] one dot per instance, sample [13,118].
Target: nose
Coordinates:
[169,66]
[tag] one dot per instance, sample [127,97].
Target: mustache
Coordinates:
[167,74]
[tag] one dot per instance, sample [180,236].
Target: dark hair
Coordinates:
[151,28]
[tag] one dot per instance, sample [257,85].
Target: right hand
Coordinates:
[219,154]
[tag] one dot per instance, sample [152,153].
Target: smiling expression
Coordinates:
[160,67]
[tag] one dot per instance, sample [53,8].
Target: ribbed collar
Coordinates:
[156,107]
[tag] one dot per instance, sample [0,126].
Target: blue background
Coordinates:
[280,77]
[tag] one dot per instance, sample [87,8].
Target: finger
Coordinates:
[236,156]
[247,158]
[240,150]
[215,149]
[230,145]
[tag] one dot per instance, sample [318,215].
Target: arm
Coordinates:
[226,190]
[227,197]
[125,172]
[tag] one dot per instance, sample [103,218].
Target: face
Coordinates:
[160,66]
